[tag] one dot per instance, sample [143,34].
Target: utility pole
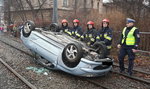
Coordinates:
[75,7]
[55,12]
[9,13]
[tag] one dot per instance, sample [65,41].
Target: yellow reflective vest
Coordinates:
[130,39]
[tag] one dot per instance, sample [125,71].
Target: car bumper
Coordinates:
[93,69]
[87,68]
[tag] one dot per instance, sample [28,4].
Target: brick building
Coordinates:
[41,10]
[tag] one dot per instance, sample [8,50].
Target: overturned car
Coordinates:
[56,50]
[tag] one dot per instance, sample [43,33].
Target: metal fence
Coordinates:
[144,45]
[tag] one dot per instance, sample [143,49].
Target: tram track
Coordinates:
[17,75]
[98,81]
[95,83]
[137,74]
[135,69]
[91,80]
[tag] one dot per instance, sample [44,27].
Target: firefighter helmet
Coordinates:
[64,21]
[105,20]
[76,21]
[90,22]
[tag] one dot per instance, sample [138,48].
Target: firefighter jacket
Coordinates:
[76,32]
[89,36]
[66,30]
[105,35]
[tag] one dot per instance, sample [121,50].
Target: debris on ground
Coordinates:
[38,70]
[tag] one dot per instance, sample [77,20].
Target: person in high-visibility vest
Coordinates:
[128,44]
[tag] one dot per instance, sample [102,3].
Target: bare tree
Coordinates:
[20,3]
[136,9]
[40,7]
[17,8]
[32,9]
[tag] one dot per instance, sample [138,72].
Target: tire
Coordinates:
[54,27]
[28,28]
[102,49]
[72,54]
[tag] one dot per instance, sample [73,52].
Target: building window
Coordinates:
[65,3]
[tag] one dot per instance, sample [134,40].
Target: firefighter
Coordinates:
[105,35]
[89,36]
[76,30]
[65,28]
[128,44]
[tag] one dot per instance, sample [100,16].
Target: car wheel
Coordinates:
[72,54]
[101,49]
[54,27]
[28,28]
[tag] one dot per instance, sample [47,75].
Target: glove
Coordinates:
[136,46]
[88,43]
[118,46]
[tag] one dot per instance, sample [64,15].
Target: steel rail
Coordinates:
[135,69]
[133,77]
[18,75]
[95,83]
[145,33]
[144,51]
